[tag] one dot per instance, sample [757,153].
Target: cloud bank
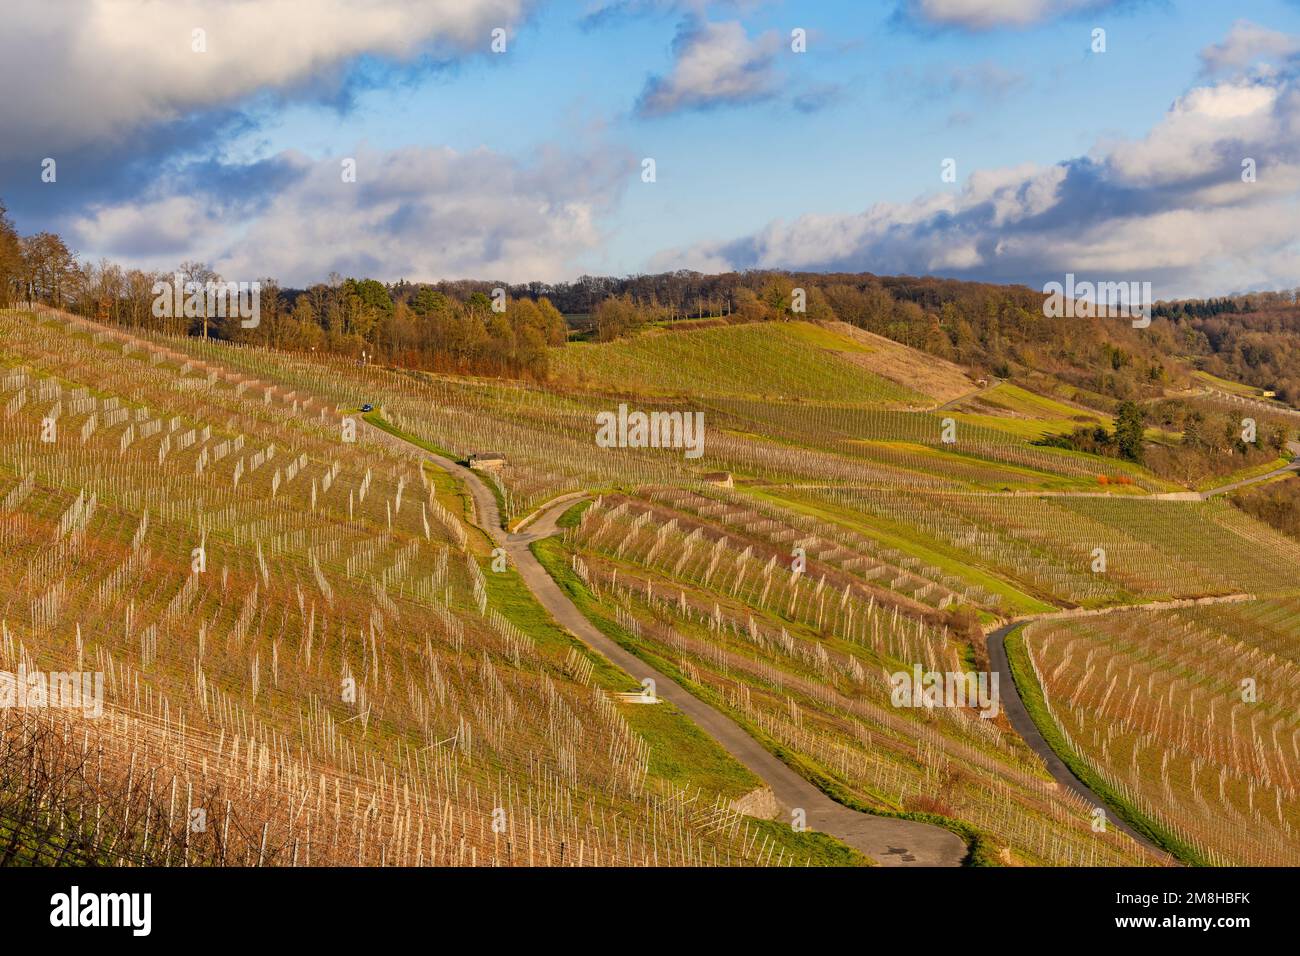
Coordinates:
[979,15]
[98,71]
[416,212]
[1177,207]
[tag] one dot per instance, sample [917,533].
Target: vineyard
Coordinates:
[304,662]
[1191,715]
[803,659]
[546,433]
[1053,546]
[814,364]
[304,640]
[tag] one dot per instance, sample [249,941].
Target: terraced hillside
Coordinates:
[1191,716]
[839,528]
[306,658]
[803,660]
[1081,550]
[546,432]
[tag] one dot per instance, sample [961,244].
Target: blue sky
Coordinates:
[526,164]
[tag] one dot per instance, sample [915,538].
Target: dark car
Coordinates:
[367,407]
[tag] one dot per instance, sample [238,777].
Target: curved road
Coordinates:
[1024,725]
[888,841]
[1294,466]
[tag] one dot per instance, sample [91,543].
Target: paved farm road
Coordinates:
[1024,725]
[888,841]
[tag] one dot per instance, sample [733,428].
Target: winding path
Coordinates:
[891,842]
[1224,489]
[1023,724]
[888,841]
[1018,714]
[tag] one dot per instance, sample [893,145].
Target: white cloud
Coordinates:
[1171,207]
[1246,44]
[416,212]
[989,14]
[158,226]
[93,71]
[1197,135]
[714,64]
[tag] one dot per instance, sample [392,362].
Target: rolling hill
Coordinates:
[308,634]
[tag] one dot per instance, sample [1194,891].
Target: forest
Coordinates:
[455,325]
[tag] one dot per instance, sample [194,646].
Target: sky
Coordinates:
[998,140]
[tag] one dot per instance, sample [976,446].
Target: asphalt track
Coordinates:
[887,840]
[1018,715]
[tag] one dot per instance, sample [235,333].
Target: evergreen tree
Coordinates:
[1129,428]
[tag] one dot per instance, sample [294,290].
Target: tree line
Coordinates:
[446,327]
[495,328]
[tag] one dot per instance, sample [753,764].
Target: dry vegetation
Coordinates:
[937,378]
[333,686]
[1154,702]
[803,660]
[331,564]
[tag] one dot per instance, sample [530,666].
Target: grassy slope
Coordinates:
[1022,401]
[758,360]
[993,475]
[1254,471]
[1225,385]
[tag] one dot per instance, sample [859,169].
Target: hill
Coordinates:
[306,657]
[763,360]
[288,617]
